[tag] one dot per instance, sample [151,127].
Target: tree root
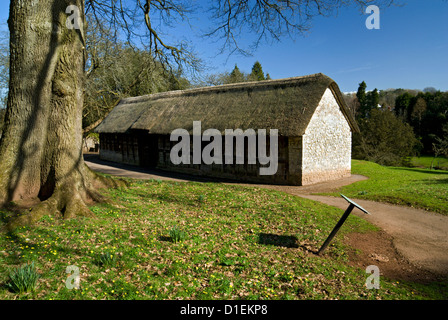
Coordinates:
[67,201]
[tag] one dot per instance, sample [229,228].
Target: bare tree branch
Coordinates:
[271,20]
[133,19]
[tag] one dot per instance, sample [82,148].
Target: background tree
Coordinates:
[236,76]
[434,119]
[213,79]
[402,106]
[373,100]
[440,146]
[352,103]
[257,73]
[419,108]
[389,96]
[430,90]
[425,111]
[362,100]
[115,70]
[365,101]
[384,139]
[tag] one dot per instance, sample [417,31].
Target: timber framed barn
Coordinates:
[314,127]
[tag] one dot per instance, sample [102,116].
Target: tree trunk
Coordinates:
[41,147]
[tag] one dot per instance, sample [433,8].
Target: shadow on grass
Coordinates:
[426,171]
[434,181]
[277,240]
[5,216]
[165,238]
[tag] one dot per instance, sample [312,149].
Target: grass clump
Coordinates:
[106,259]
[177,235]
[23,278]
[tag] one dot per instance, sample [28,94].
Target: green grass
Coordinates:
[238,243]
[420,188]
[428,162]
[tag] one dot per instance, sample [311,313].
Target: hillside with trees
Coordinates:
[398,123]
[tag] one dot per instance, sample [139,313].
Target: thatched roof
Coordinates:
[286,105]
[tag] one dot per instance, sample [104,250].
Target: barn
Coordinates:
[313,126]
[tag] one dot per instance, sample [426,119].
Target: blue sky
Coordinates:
[408,51]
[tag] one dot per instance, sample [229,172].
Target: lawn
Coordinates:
[168,240]
[420,188]
[428,162]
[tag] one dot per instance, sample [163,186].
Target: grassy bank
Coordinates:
[167,240]
[429,162]
[419,188]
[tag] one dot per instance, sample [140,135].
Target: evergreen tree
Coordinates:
[236,75]
[402,105]
[257,72]
[362,99]
[373,100]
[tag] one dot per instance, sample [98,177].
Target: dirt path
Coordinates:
[414,235]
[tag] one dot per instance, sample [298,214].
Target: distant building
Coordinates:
[90,144]
[314,126]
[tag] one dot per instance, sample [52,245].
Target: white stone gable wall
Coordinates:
[326,143]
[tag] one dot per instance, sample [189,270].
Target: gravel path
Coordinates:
[418,235]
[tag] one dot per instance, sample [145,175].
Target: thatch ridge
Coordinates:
[226,87]
[284,104]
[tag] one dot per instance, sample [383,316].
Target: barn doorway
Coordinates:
[148,150]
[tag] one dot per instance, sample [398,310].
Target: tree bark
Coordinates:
[41,147]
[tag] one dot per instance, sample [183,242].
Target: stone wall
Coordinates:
[326,144]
